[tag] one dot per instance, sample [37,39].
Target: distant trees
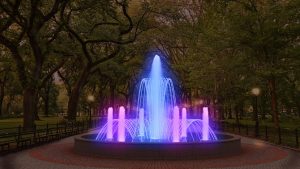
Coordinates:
[219,50]
[266,33]
[222,49]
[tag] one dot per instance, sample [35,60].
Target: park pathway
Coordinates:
[256,154]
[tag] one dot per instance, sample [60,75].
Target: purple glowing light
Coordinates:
[121,125]
[109,133]
[205,126]
[176,125]
[183,123]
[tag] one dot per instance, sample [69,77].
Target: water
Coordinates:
[158,118]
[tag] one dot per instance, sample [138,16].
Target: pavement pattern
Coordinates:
[255,154]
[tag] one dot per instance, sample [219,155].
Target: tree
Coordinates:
[28,31]
[265,31]
[100,39]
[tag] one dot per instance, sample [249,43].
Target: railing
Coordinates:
[281,136]
[15,139]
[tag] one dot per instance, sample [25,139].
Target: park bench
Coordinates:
[24,139]
[53,133]
[50,133]
[69,129]
[7,138]
[16,137]
[5,145]
[24,142]
[41,138]
[61,131]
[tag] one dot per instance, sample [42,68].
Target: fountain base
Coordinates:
[226,145]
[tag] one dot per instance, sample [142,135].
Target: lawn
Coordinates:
[286,136]
[15,122]
[287,123]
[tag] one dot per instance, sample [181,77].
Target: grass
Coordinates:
[287,123]
[288,133]
[15,122]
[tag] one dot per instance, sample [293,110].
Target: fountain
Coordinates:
[159,130]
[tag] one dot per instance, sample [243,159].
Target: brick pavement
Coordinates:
[59,155]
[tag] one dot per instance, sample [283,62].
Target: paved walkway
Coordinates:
[59,155]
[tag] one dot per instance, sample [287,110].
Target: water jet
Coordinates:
[159,130]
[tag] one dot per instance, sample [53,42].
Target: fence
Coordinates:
[281,136]
[15,139]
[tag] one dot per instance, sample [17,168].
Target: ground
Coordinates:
[256,154]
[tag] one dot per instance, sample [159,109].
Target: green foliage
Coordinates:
[219,50]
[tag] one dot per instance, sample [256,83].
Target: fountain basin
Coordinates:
[226,145]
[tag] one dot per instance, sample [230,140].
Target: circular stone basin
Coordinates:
[226,145]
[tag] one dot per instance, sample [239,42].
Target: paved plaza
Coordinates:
[255,154]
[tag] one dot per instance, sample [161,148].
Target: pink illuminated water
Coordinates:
[176,125]
[121,125]
[183,123]
[109,134]
[205,121]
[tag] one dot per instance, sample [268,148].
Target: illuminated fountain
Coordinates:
[159,130]
[158,117]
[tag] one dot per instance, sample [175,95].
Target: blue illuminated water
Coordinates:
[158,119]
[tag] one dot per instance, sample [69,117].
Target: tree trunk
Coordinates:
[46,100]
[112,87]
[74,97]
[295,98]
[298,107]
[2,90]
[237,110]
[8,104]
[73,103]
[190,98]
[230,112]
[131,99]
[46,108]
[274,105]
[1,97]
[222,112]
[263,106]
[241,108]
[29,105]
[36,113]
[297,103]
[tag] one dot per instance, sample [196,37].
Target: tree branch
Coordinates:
[53,11]
[16,56]
[51,72]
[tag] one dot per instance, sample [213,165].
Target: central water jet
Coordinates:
[155,104]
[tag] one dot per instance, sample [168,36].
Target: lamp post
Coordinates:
[256,92]
[90,99]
